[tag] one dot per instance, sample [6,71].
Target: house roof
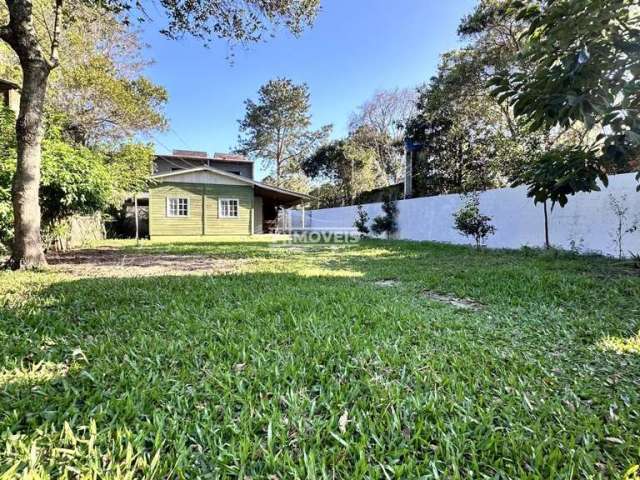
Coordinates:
[287,196]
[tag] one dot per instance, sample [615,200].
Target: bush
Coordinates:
[471,223]
[362,218]
[75,179]
[386,223]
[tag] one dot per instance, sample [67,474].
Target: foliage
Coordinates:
[361,222]
[346,164]
[466,142]
[75,179]
[387,222]
[112,377]
[559,173]
[100,84]
[326,195]
[237,21]
[582,67]
[7,152]
[379,124]
[470,222]
[129,166]
[276,127]
[291,180]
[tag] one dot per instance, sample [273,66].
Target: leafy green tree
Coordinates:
[387,222]
[582,67]
[100,84]
[469,221]
[75,179]
[326,195]
[346,164]
[466,143]
[235,20]
[277,127]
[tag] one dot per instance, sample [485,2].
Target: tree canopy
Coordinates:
[99,84]
[276,128]
[346,164]
[579,65]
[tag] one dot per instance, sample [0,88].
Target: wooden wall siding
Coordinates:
[214,225]
[199,221]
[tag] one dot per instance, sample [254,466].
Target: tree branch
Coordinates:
[5,34]
[57,32]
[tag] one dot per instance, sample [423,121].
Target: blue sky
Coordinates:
[355,48]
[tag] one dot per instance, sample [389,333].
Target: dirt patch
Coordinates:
[106,262]
[464,303]
[387,283]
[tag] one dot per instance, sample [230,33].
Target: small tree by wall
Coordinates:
[471,223]
[361,221]
[386,223]
[624,225]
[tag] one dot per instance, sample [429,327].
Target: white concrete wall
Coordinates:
[586,223]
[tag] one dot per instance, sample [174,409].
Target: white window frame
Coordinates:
[173,215]
[220,210]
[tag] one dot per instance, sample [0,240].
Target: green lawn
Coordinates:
[300,365]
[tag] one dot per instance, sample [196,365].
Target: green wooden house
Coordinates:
[197,195]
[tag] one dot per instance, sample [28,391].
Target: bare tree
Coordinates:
[380,122]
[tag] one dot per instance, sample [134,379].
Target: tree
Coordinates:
[238,21]
[466,142]
[386,223]
[276,128]
[499,34]
[75,179]
[346,164]
[99,85]
[470,222]
[583,65]
[624,225]
[379,124]
[361,222]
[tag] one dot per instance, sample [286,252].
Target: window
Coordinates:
[229,208]
[177,207]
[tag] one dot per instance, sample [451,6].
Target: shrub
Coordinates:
[471,223]
[360,224]
[386,223]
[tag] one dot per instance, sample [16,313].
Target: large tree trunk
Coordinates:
[27,249]
[21,36]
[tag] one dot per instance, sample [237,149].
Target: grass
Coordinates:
[300,365]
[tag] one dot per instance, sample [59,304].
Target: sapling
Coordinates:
[471,223]
[386,223]
[361,221]
[624,225]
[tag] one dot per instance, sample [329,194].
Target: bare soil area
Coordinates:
[108,262]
